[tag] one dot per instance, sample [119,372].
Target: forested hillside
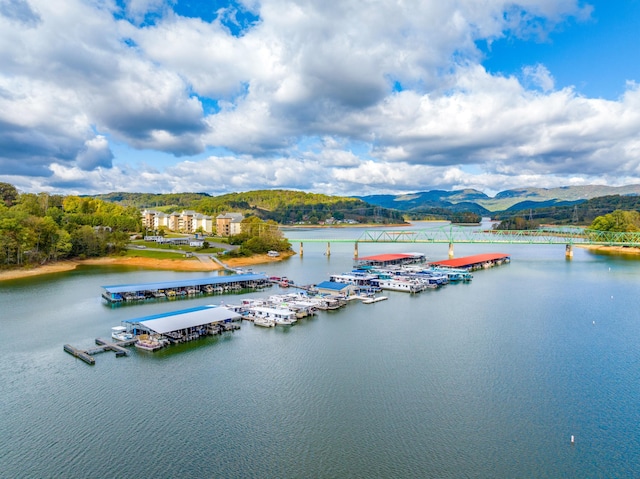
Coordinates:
[38,228]
[583,213]
[281,206]
[166,202]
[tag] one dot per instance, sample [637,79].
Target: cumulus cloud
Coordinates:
[96,153]
[19,11]
[538,76]
[344,100]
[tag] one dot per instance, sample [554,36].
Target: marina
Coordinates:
[472,379]
[154,332]
[114,294]
[410,273]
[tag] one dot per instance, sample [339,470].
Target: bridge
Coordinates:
[451,234]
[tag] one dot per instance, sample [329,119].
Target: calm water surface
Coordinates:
[481,380]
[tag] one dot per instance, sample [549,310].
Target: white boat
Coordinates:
[279,315]
[401,284]
[359,278]
[264,322]
[119,333]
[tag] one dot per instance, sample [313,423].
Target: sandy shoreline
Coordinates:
[621,250]
[147,263]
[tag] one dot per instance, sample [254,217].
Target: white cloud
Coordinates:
[539,76]
[305,98]
[96,153]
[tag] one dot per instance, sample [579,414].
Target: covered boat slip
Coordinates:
[474,262]
[183,324]
[212,284]
[383,260]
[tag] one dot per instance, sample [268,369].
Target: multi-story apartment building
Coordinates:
[187,221]
[229,224]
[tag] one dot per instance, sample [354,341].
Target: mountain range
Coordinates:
[508,200]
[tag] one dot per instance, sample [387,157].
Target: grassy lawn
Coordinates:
[141,253]
[153,244]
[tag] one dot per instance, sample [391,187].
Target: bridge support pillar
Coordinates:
[328,249]
[355,251]
[301,248]
[568,251]
[450,250]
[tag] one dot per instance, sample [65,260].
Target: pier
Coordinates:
[86,355]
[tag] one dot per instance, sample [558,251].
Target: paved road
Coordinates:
[206,258]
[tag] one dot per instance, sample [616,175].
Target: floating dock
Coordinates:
[172,327]
[184,288]
[385,260]
[375,299]
[86,355]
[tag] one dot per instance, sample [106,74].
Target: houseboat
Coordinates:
[281,316]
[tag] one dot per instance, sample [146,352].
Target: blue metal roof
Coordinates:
[130,288]
[334,285]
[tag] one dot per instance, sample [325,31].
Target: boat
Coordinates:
[119,333]
[356,277]
[273,254]
[401,284]
[282,316]
[264,322]
[148,344]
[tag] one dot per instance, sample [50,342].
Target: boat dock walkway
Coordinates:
[216,260]
[86,355]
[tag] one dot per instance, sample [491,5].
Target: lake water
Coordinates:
[482,380]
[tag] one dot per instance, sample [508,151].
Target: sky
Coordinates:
[356,97]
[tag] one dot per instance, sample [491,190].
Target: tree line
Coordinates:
[38,228]
[258,237]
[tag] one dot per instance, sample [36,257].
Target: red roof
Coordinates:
[470,260]
[386,257]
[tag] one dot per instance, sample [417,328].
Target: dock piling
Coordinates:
[568,252]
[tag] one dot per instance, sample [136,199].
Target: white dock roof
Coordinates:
[186,318]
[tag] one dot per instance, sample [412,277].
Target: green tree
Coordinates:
[8,194]
[618,220]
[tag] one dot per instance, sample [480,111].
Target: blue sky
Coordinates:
[347,99]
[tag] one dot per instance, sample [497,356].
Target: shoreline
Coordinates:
[611,250]
[193,265]
[359,225]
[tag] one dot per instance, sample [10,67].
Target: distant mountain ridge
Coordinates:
[515,199]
